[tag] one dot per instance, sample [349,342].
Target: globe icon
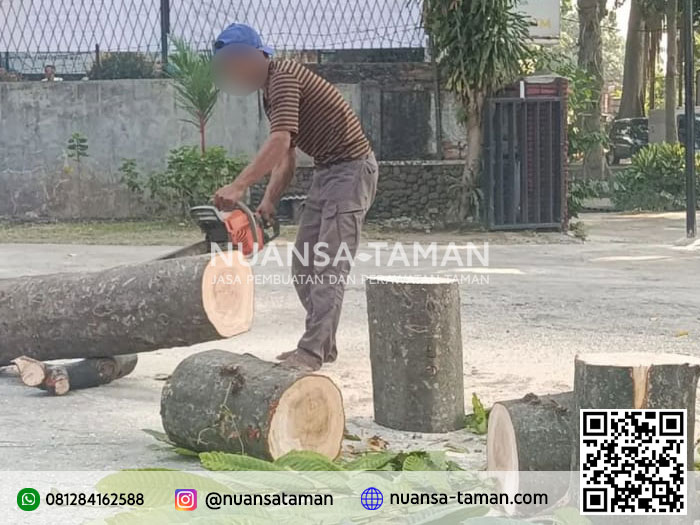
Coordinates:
[371,499]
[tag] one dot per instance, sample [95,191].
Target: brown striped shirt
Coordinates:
[312,110]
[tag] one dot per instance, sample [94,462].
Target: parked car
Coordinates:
[627,137]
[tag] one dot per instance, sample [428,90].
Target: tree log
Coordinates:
[220,401]
[527,440]
[531,434]
[416,353]
[125,310]
[635,381]
[58,379]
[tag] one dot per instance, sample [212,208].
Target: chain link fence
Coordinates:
[77,36]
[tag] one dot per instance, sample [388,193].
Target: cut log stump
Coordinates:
[635,381]
[527,437]
[59,379]
[125,310]
[220,401]
[416,353]
[530,434]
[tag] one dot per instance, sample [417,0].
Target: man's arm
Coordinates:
[281,177]
[271,155]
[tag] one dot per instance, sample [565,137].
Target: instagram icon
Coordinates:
[185,499]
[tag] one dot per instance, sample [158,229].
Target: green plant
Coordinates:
[480,46]
[131,177]
[77,147]
[578,192]
[195,90]
[191,178]
[124,64]
[477,421]
[655,180]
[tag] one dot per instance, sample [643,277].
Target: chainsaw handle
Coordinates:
[251,219]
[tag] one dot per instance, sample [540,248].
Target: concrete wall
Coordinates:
[139,119]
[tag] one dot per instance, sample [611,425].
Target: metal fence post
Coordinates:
[164,30]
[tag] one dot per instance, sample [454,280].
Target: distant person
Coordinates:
[50,74]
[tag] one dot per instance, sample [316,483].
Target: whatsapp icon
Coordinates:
[28,499]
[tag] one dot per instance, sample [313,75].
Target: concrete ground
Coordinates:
[629,287]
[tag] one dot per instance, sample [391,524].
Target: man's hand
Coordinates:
[226,198]
[267,211]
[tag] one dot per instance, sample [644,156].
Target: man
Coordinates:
[50,74]
[307,112]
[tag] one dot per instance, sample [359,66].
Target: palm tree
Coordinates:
[195,90]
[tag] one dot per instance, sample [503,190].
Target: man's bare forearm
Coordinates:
[281,177]
[270,155]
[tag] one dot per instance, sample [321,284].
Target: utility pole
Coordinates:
[691,190]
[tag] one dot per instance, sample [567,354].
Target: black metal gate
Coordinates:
[524,148]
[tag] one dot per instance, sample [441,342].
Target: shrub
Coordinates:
[655,181]
[122,65]
[190,178]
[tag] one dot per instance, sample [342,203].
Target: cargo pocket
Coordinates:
[341,227]
[349,219]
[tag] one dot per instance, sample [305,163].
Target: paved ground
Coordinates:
[628,288]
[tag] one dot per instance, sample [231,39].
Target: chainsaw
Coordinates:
[239,229]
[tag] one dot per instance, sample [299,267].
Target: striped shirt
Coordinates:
[322,124]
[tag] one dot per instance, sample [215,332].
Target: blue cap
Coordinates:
[237,35]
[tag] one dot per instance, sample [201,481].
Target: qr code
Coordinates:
[634,462]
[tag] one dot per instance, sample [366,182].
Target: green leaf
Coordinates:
[371,461]
[235,462]
[305,461]
[477,422]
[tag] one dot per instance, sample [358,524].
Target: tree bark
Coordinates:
[531,434]
[632,104]
[590,59]
[671,70]
[472,166]
[125,310]
[416,353]
[635,381]
[220,401]
[77,375]
[654,24]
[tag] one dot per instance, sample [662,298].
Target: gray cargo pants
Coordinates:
[331,223]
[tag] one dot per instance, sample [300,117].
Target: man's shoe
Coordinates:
[302,360]
[329,359]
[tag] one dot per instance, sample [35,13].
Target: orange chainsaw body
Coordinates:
[244,234]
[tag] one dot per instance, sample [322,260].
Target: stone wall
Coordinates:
[414,189]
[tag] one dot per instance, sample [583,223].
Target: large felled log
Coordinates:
[416,353]
[635,381]
[58,379]
[125,310]
[220,401]
[531,434]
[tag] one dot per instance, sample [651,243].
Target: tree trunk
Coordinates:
[416,353]
[635,381]
[125,310]
[631,104]
[590,59]
[654,24]
[85,373]
[671,70]
[531,434]
[220,401]
[472,166]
